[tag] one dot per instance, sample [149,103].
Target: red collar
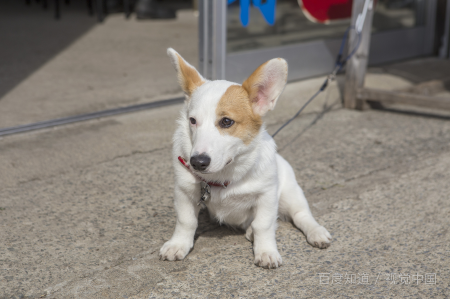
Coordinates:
[224,185]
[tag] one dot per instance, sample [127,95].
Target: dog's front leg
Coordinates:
[187,220]
[264,227]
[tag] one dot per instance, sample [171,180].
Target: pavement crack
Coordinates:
[136,152]
[363,175]
[399,168]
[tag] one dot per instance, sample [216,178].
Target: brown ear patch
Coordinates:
[235,104]
[188,77]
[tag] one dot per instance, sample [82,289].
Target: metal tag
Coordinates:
[205,192]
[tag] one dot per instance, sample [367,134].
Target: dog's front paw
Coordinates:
[319,237]
[174,251]
[268,259]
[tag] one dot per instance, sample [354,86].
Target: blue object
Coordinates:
[267,9]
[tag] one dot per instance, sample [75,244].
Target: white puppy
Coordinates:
[227,162]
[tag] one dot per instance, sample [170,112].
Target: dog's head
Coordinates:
[225,117]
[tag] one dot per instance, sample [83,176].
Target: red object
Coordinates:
[183,162]
[325,11]
[200,178]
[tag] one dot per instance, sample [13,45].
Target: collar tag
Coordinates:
[205,192]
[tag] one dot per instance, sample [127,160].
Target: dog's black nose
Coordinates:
[200,162]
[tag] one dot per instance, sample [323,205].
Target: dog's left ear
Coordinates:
[266,84]
[188,77]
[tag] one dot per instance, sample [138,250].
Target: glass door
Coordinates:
[245,33]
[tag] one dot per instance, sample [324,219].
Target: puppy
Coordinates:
[226,161]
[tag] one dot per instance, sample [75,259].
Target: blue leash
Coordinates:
[337,67]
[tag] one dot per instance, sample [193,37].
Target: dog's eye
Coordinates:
[193,121]
[226,122]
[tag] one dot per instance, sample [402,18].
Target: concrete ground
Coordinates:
[84,208]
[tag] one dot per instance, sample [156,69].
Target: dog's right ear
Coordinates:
[188,77]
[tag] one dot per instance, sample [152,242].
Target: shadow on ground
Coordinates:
[31,36]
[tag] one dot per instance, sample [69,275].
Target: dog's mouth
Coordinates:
[204,172]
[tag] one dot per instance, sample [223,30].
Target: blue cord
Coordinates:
[338,66]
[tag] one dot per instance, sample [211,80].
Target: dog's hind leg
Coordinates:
[294,206]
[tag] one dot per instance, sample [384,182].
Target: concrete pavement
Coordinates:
[86,207]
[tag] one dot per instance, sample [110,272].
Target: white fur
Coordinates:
[263,185]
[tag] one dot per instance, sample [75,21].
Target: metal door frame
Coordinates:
[444,51]
[212,38]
